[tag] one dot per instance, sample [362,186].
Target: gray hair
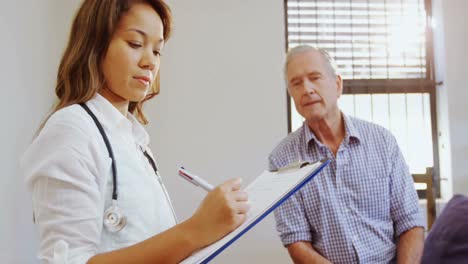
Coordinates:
[304,48]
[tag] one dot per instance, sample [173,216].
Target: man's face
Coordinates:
[313,86]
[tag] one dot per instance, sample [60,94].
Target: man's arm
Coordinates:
[410,246]
[303,252]
[405,211]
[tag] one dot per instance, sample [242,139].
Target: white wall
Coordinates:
[221,110]
[443,124]
[33,34]
[451,39]
[222,107]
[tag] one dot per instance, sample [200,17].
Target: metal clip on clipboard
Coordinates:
[292,166]
[296,165]
[268,191]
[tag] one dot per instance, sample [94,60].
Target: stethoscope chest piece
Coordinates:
[114,218]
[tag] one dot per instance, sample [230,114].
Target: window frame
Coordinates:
[382,86]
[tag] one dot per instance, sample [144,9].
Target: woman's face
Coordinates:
[132,59]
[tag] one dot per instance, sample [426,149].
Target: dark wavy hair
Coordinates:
[80,75]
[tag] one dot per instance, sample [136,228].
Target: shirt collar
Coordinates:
[350,131]
[113,120]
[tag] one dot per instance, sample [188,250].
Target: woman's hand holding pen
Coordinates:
[223,209]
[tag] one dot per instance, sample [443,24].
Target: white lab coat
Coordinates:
[68,171]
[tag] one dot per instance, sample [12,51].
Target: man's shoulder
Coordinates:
[290,141]
[287,150]
[369,130]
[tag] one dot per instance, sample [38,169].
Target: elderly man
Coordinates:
[363,207]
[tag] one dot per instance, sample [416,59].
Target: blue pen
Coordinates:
[195,180]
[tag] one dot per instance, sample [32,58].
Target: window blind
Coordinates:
[369,39]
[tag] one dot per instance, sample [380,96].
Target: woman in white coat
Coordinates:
[97,197]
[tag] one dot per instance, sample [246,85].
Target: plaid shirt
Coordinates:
[355,209]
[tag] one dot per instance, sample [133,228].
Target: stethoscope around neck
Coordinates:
[114,217]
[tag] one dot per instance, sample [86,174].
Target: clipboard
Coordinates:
[266,193]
